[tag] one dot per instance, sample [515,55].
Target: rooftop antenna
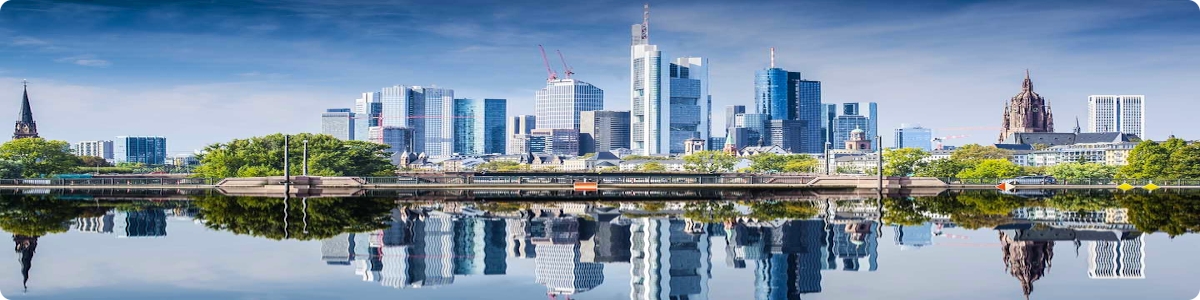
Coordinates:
[550,75]
[772,57]
[566,69]
[646,23]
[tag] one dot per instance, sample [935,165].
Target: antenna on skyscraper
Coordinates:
[567,72]
[551,76]
[646,23]
[772,57]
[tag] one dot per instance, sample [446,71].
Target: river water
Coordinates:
[955,245]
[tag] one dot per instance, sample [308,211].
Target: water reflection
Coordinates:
[666,246]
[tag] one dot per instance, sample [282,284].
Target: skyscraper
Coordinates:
[690,115]
[1026,112]
[784,95]
[731,113]
[338,122]
[150,150]
[1117,113]
[25,127]
[855,115]
[397,138]
[102,149]
[914,137]
[649,98]
[479,126]
[367,111]
[828,115]
[559,103]
[558,264]
[519,125]
[431,118]
[557,141]
[786,134]
[755,133]
[603,131]
[808,112]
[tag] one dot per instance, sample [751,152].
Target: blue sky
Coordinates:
[200,72]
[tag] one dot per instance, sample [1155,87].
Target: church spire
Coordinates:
[1027,86]
[25,127]
[1077,128]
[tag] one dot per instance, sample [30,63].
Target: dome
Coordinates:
[858,130]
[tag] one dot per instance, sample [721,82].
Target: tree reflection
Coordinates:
[298,219]
[1172,212]
[37,215]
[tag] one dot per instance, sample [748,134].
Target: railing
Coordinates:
[1084,181]
[109,181]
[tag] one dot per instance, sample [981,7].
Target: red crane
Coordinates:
[567,72]
[551,76]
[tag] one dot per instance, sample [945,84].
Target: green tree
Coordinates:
[903,212]
[1082,171]
[652,166]
[263,156]
[1151,160]
[904,161]
[781,210]
[941,168]
[1184,162]
[40,157]
[709,162]
[93,161]
[991,169]
[500,166]
[801,163]
[771,162]
[37,215]
[306,219]
[710,211]
[974,153]
[11,169]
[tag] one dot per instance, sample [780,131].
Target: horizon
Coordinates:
[202,73]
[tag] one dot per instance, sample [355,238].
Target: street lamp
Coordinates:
[827,146]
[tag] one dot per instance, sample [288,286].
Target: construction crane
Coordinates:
[567,72]
[937,141]
[550,75]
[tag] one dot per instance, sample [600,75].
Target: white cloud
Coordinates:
[28,41]
[85,60]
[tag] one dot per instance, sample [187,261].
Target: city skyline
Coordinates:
[72,87]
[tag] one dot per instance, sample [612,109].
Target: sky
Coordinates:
[201,72]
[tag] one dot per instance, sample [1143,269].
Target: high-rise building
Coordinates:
[828,115]
[603,130]
[808,112]
[756,133]
[786,134]
[431,118]
[150,150]
[731,113]
[479,126]
[559,103]
[557,141]
[25,127]
[784,95]
[1026,112]
[397,139]
[338,122]
[101,149]
[559,264]
[394,102]
[855,115]
[914,137]
[691,104]
[526,143]
[519,125]
[1117,113]
[650,98]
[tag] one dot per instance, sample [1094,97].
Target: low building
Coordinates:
[754,150]
[598,161]
[671,165]
[1102,153]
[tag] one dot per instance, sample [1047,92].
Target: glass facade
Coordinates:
[604,131]
[338,122]
[756,130]
[431,117]
[479,126]
[650,119]
[770,93]
[808,112]
[150,150]
[393,106]
[558,141]
[397,138]
[559,103]
[842,127]
[914,137]
[828,114]
[689,111]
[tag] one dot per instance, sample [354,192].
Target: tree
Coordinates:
[991,169]
[263,156]
[904,161]
[306,219]
[941,168]
[37,215]
[1081,171]
[93,161]
[801,163]
[710,211]
[1151,159]
[974,153]
[501,166]
[782,210]
[1184,162]
[709,162]
[11,169]
[652,166]
[771,162]
[40,157]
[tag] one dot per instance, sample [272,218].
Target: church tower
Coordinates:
[1027,112]
[26,127]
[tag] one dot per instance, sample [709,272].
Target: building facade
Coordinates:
[828,115]
[102,149]
[845,124]
[559,103]
[479,126]
[519,125]
[649,97]
[603,131]
[690,102]
[150,150]
[914,137]
[397,138]
[1117,113]
[25,126]
[755,133]
[338,122]
[1026,112]
[786,134]
[783,95]
[557,141]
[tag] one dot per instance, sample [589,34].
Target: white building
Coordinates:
[103,149]
[1117,113]
[559,103]
[650,106]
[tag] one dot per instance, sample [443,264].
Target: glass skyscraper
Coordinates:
[603,131]
[828,114]
[479,126]
[784,95]
[842,127]
[914,137]
[150,150]
[397,138]
[771,93]
[431,118]
[559,103]
[338,122]
[690,102]
[649,111]
[808,112]
[855,115]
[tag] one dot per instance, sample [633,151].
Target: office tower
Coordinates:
[1117,113]
[784,95]
[479,126]
[669,260]
[649,97]
[1119,259]
[828,114]
[431,119]
[559,103]
[690,115]
[1026,112]
[914,137]
[855,115]
[25,127]
[755,133]
[731,113]
[338,122]
[519,125]
[397,139]
[527,143]
[150,150]
[603,130]
[786,134]
[556,141]
[559,265]
[101,149]
[715,143]
[808,112]
[367,111]
[394,102]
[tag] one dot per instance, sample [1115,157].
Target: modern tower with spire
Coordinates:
[650,105]
[26,127]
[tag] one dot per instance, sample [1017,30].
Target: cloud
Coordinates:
[28,41]
[85,60]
